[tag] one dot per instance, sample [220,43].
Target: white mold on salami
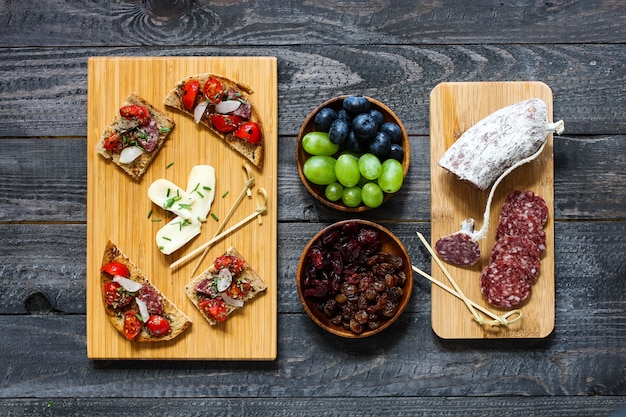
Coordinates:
[499,141]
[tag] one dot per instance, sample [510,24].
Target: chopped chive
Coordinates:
[168,193]
[200,194]
[156,220]
[165,129]
[215,217]
[150,213]
[225,194]
[161,248]
[204,187]
[196,188]
[167,238]
[169,165]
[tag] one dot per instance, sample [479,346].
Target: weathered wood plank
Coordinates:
[45,180]
[333,406]
[44,90]
[186,22]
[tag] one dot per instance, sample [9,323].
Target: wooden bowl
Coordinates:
[336,104]
[389,243]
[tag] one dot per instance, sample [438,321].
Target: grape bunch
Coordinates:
[354,153]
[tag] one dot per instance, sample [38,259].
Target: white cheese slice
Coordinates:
[201,188]
[176,234]
[171,197]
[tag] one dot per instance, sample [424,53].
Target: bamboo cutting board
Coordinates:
[118,207]
[454,107]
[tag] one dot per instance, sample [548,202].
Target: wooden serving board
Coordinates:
[454,107]
[118,207]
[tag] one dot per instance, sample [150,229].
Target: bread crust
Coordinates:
[256,285]
[138,167]
[254,153]
[179,321]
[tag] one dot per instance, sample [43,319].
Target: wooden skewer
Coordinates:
[245,191]
[259,210]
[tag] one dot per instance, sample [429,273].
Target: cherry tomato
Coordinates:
[132,325]
[190,92]
[158,325]
[233,263]
[249,132]
[113,143]
[225,123]
[213,90]
[214,308]
[115,296]
[137,113]
[239,289]
[116,268]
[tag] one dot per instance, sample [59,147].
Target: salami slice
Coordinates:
[522,226]
[458,249]
[505,284]
[526,204]
[518,249]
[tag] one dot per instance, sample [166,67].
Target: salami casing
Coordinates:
[499,141]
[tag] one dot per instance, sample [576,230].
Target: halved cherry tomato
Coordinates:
[113,143]
[214,308]
[190,92]
[213,90]
[158,325]
[225,123]
[239,289]
[249,132]
[233,263]
[115,296]
[116,268]
[132,325]
[136,112]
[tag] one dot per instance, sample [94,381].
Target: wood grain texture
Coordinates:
[118,207]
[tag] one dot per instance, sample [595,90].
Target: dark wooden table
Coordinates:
[396,51]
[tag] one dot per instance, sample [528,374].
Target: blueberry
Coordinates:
[338,131]
[396,152]
[353,144]
[393,131]
[324,118]
[378,117]
[356,104]
[381,145]
[364,127]
[343,114]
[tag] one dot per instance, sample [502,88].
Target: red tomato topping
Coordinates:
[158,325]
[116,268]
[239,289]
[213,90]
[115,296]
[249,132]
[190,92]
[132,325]
[225,123]
[233,263]
[113,143]
[214,308]
[137,113]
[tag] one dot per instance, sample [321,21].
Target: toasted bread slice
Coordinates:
[253,152]
[178,320]
[119,125]
[248,274]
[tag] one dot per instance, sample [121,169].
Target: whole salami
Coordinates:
[505,284]
[518,249]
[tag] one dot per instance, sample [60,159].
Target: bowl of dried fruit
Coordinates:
[352,153]
[354,278]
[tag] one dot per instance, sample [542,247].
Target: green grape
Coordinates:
[317,143]
[347,171]
[391,176]
[370,166]
[320,169]
[333,191]
[351,196]
[372,195]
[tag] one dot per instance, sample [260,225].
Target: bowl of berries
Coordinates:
[354,278]
[352,153]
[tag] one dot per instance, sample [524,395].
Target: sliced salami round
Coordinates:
[458,249]
[505,284]
[518,249]
[522,226]
[525,204]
